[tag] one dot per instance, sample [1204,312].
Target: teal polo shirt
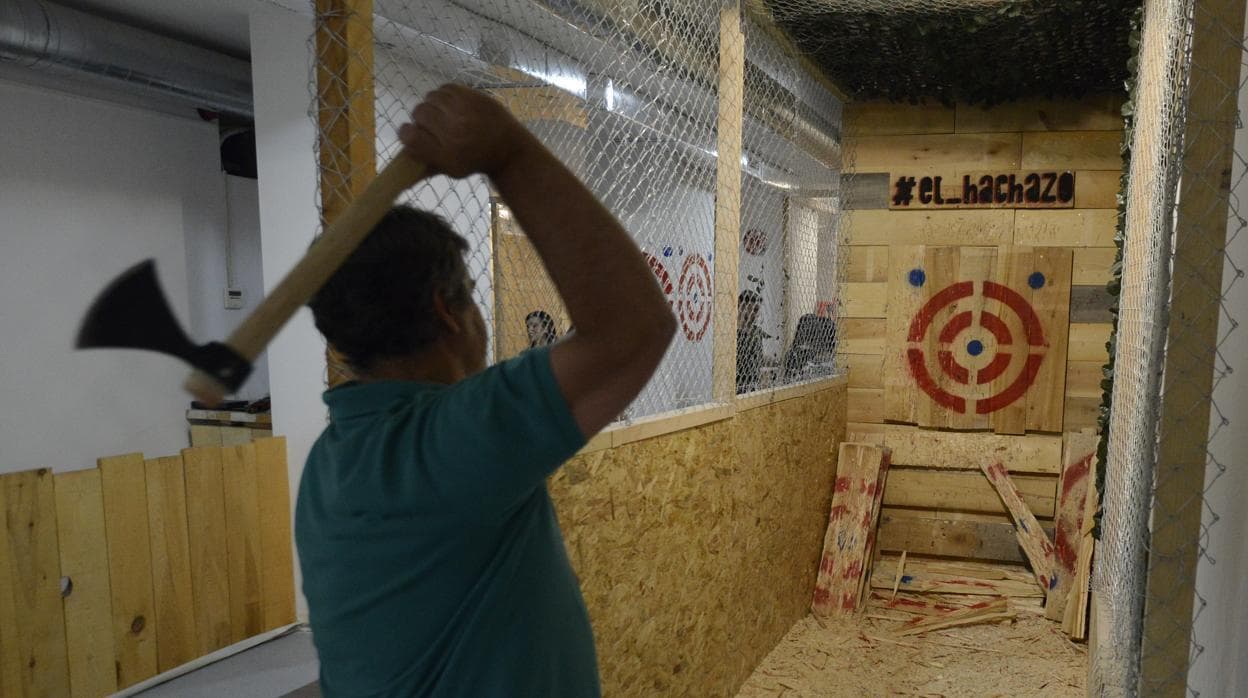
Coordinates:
[432,561]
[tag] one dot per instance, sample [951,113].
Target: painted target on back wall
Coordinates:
[661,275]
[693,297]
[989,355]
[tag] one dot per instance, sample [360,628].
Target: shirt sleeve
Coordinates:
[491,438]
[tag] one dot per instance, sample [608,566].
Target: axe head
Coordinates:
[133,313]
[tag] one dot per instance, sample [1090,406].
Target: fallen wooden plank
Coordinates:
[1035,544]
[964,568]
[908,603]
[926,583]
[861,469]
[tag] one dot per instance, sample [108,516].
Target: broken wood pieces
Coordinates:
[849,544]
[983,612]
[934,583]
[1031,538]
[1075,617]
[1073,491]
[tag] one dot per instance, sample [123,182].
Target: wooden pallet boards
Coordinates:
[849,541]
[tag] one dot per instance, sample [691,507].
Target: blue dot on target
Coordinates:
[974,347]
[917,277]
[1036,280]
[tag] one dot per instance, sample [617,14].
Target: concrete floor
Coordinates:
[283,667]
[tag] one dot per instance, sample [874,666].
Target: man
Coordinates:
[432,560]
[749,341]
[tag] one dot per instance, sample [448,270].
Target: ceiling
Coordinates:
[975,51]
[220,25]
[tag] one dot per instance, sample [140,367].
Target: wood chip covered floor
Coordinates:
[862,656]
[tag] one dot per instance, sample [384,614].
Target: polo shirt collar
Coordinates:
[357,399]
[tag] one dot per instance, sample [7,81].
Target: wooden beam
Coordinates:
[965,491]
[728,202]
[1196,289]
[345,116]
[962,450]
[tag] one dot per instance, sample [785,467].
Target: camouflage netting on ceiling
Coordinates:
[976,51]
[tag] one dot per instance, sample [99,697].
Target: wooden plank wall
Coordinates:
[111,575]
[936,501]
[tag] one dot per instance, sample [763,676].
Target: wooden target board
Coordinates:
[977,337]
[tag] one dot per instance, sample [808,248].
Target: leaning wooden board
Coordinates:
[848,543]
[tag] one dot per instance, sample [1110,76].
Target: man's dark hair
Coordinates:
[549,335]
[379,303]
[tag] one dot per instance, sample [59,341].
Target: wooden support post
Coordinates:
[345,118]
[1191,342]
[728,203]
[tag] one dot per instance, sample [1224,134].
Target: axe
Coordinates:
[132,312]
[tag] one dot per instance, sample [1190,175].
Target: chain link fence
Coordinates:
[1167,426]
[628,96]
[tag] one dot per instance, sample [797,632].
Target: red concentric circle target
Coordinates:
[660,274]
[693,294]
[986,328]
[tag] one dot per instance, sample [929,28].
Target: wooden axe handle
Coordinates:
[340,239]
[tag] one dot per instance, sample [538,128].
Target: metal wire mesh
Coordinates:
[970,51]
[627,95]
[790,206]
[1167,365]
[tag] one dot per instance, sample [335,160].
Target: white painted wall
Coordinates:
[805,223]
[1222,628]
[285,137]
[233,239]
[89,188]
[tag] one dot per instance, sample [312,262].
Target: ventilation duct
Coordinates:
[48,37]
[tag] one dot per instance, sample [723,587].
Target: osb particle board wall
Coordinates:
[697,550]
[936,502]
